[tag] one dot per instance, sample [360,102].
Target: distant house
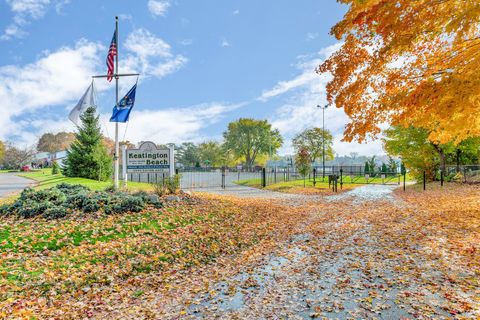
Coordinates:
[283,162]
[45,159]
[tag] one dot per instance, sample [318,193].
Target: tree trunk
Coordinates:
[249,162]
[442,156]
[458,159]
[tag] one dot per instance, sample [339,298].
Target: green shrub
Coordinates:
[71,188]
[155,201]
[110,188]
[31,209]
[52,195]
[102,198]
[133,204]
[55,168]
[27,194]
[173,183]
[5,209]
[160,189]
[64,199]
[149,199]
[125,204]
[55,212]
[76,201]
[141,194]
[90,205]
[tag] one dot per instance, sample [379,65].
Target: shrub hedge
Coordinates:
[65,199]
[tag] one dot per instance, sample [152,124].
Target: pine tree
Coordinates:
[87,156]
[384,168]
[367,168]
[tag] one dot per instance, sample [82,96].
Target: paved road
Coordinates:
[341,266]
[11,183]
[360,194]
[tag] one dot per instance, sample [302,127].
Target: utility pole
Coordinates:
[323,138]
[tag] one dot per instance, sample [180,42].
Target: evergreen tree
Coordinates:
[87,157]
[384,168]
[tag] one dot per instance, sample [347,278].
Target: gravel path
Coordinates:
[11,183]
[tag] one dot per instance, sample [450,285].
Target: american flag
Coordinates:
[112,52]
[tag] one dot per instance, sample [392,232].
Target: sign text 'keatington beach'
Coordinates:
[147,159]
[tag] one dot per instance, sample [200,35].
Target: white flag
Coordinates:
[88,100]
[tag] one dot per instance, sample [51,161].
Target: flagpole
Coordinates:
[117,144]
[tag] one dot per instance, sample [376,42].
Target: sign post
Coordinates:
[171,148]
[124,166]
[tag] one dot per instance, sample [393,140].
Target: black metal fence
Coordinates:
[462,173]
[334,176]
[469,174]
[200,177]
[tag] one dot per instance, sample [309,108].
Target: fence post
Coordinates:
[404,180]
[341,179]
[424,180]
[441,178]
[275,174]
[264,178]
[223,177]
[314,176]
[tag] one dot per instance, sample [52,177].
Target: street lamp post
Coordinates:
[323,138]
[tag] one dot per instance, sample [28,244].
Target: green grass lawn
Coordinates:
[45,179]
[7,171]
[293,186]
[297,185]
[256,182]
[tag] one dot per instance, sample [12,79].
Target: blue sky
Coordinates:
[203,64]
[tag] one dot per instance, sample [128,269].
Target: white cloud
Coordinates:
[236,12]
[173,65]
[54,79]
[33,93]
[173,125]
[60,5]
[186,42]
[311,36]
[224,43]
[34,8]
[146,44]
[125,17]
[286,86]
[150,55]
[299,111]
[23,11]
[158,8]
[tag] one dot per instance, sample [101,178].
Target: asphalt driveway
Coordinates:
[11,183]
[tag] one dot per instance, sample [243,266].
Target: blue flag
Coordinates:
[121,112]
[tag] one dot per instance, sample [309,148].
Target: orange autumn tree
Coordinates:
[405,63]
